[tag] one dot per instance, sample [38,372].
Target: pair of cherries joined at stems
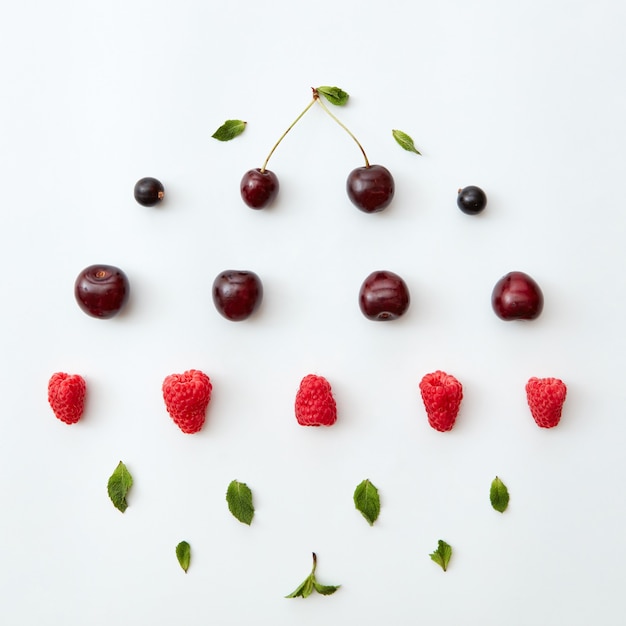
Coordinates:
[102,291]
[370,187]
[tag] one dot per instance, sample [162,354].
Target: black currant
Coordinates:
[471,200]
[149,191]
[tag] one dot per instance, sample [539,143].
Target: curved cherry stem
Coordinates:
[316,97]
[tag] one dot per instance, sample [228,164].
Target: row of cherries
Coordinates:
[102,291]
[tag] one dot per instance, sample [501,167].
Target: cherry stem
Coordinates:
[321,103]
[315,96]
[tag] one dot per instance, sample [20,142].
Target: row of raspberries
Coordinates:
[187,398]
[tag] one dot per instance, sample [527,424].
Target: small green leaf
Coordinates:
[367,501]
[183,554]
[405,141]
[229,130]
[442,555]
[239,498]
[119,484]
[304,590]
[334,95]
[306,587]
[499,495]
[309,585]
[326,590]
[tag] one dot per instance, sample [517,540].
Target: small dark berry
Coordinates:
[149,191]
[471,200]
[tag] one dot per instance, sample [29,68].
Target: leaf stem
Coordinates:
[316,97]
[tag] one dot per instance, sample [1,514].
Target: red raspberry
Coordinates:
[186,398]
[545,398]
[315,405]
[442,395]
[66,395]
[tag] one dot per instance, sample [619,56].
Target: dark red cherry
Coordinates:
[259,188]
[149,191]
[101,290]
[237,294]
[471,200]
[383,296]
[516,296]
[370,188]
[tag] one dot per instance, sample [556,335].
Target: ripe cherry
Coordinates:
[237,294]
[101,290]
[149,191]
[471,200]
[383,296]
[370,188]
[516,296]
[259,188]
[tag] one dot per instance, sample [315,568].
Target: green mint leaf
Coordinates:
[306,587]
[367,501]
[442,555]
[405,141]
[183,554]
[119,484]
[499,495]
[304,590]
[239,498]
[229,130]
[334,95]
[325,590]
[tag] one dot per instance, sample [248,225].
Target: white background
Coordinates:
[524,99]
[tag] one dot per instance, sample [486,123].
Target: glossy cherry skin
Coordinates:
[471,200]
[370,188]
[383,296]
[101,290]
[237,294]
[516,296]
[259,188]
[149,191]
